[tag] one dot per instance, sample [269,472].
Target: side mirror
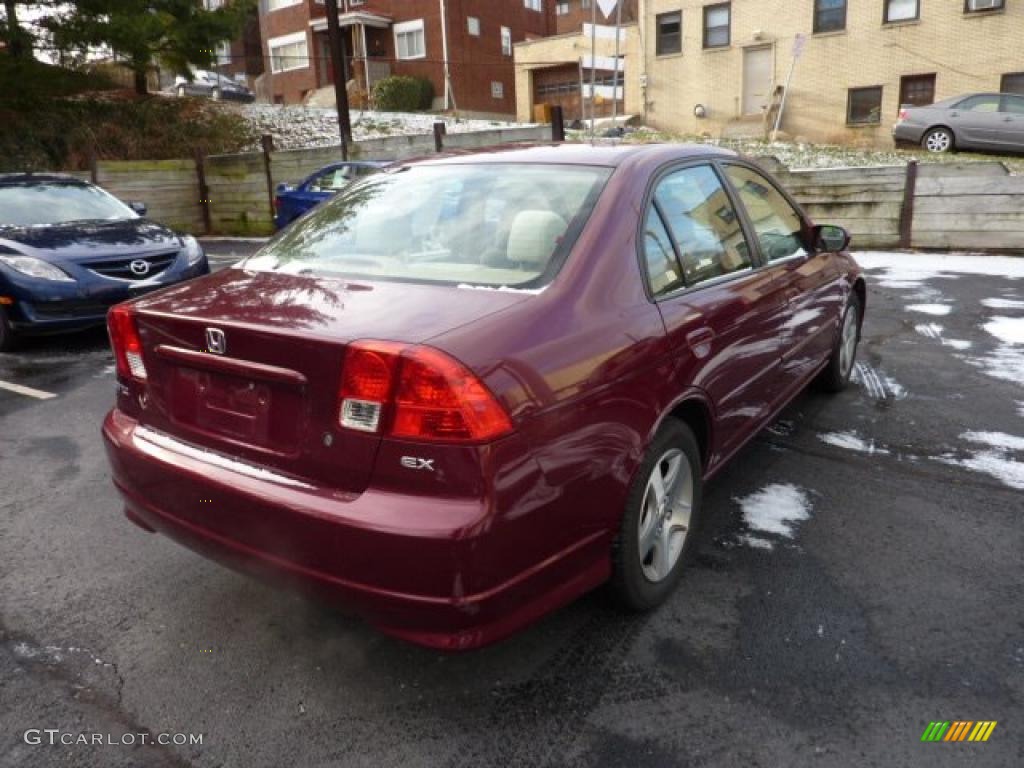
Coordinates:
[828,238]
[139,208]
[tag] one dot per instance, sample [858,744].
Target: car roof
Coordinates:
[24,179]
[611,153]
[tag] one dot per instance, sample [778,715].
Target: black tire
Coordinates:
[939,141]
[630,587]
[836,376]
[8,341]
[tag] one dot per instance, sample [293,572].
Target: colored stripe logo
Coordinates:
[959,730]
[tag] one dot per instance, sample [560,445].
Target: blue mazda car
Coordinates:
[293,200]
[69,251]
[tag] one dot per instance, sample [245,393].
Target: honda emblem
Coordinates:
[216,342]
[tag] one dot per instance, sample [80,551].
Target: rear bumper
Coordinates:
[403,562]
[907,132]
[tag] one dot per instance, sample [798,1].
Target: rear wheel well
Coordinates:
[694,414]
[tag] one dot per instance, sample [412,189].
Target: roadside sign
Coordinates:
[798,45]
[607,6]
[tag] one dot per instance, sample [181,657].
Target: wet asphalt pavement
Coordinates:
[897,601]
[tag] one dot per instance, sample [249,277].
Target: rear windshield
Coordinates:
[29,205]
[490,225]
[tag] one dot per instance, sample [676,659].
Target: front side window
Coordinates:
[410,40]
[670,33]
[864,106]
[334,180]
[777,224]
[901,10]
[829,15]
[480,224]
[703,224]
[717,25]
[34,205]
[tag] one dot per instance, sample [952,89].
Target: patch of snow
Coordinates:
[879,385]
[958,344]
[776,508]
[755,541]
[1002,303]
[500,288]
[298,126]
[1000,440]
[930,309]
[1005,362]
[1007,329]
[929,330]
[851,441]
[915,267]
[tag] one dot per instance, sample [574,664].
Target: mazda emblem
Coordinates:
[139,267]
[216,342]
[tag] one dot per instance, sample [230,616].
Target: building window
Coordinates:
[917,90]
[497,90]
[974,6]
[1012,83]
[288,52]
[506,41]
[410,40]
[562,9]
[534,5]
[829,15]
[864,106]
[473,25]
[902,10]
[273,5]
[717,22]
[670,33]
[223,53]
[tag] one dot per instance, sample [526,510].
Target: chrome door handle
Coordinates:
[700,341]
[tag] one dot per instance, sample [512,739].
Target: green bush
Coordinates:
[401,93]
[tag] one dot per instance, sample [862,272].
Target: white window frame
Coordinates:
[285,41]
[506,41]
[277,5]
[497,89]
[473,26]
[562,9]
[404,28]
[533,5]
[223,53]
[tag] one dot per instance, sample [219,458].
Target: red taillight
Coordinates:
[903,115]
[124,337]
[416,393]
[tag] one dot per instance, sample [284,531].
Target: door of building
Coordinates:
[758,74]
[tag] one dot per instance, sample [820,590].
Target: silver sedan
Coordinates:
[989,121]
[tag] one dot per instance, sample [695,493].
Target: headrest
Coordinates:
[534,236]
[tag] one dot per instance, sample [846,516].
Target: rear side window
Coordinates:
[703,224]
[663,269]
[777,224]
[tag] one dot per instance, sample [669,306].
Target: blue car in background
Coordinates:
[291,201]
[69,251]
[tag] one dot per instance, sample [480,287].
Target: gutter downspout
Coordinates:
[449,97]
[641,29]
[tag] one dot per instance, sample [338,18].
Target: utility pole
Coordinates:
[338,66]
[615,76]
[593,69]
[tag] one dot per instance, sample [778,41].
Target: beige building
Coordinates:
[860,60]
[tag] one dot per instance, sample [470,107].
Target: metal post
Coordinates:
[267,143]
[440,131]
[907,209]
[337,61]
[615,75]
[593,67]
[557,124]
[204,191]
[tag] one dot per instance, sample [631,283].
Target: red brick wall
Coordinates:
[475,62]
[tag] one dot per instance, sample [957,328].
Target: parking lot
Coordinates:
[859,576]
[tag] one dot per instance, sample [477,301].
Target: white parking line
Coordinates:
[27,391]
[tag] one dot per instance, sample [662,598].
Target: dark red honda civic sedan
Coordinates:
[472,388]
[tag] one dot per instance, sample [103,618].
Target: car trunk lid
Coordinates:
[249,363]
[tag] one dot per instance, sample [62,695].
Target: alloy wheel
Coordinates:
[665,515]
[848,343]
[938,141]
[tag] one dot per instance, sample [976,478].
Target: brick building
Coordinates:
[405,37]
[861,60]
[241,58]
